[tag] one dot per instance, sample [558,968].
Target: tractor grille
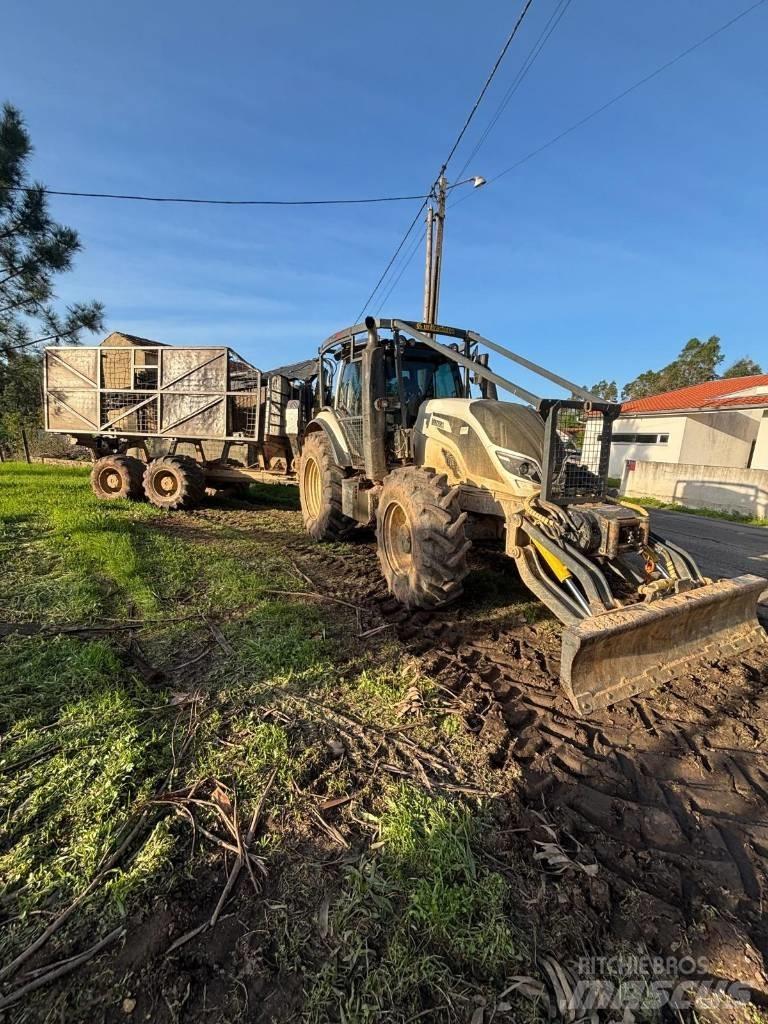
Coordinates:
[577,449]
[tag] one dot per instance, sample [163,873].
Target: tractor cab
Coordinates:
[417,376]
[412,374]
[374,392]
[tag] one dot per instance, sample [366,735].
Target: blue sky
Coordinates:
[599,258]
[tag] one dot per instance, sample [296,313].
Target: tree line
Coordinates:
[697,363]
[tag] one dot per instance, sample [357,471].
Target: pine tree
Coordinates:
[33,250]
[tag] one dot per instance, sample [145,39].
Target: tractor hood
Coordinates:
[511,427]
[482,442]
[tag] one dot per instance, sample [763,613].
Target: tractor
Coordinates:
[408,435]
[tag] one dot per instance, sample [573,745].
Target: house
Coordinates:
[718,423]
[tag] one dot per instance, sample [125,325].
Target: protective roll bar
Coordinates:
[426,334]
[470,364]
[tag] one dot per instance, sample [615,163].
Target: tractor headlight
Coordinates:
[518,466]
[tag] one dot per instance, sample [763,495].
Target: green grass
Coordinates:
[85,739]
[422,918]
[418,922]
[709,513]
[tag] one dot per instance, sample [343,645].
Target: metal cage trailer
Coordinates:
[241,424]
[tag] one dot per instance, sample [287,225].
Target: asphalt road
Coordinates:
[719,547]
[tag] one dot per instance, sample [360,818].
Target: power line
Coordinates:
[554,20]
[214,202]
[598,110]
[447,160]
[488,81]
[406,262]
[396,253]
[631,88]
[625,92]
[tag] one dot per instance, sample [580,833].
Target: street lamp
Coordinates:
[434,243]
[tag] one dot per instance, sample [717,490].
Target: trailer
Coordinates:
[207,415]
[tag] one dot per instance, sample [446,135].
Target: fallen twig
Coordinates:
[103,868]
[187,937]
[314,595]
[330,830]
[219,637]
[64,967]
[241,856]
[191,661]
[106,865]
[375,630]
[303,575]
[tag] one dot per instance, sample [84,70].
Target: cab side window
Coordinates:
[447,382]
[349,400]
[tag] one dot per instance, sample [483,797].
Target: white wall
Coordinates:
[698,486]
[722,438]
[760,454]
[669,452]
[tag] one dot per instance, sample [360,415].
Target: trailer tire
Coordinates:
[422,545]
[320,490]
[174,482]
[118,476]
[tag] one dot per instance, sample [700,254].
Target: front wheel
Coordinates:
[320,490]
[422,545]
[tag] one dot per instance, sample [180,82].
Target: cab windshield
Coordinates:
[427,378]
[423,378]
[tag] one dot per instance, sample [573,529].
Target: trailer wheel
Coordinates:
[118,476]
[320,490]
[421,541]
[174,482]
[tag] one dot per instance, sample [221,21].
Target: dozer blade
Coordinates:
[617,654]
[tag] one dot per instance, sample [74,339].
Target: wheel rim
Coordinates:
[313,487]
[398,541]
[166,483]
[110,480]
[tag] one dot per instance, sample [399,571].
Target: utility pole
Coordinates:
[434,244]
[428,267]
[437,259]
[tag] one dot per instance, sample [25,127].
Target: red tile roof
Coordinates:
[713,394]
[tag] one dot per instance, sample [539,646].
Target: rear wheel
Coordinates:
[421,540]
[118,476]
[320,490]
[174,482]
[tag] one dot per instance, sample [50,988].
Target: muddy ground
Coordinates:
[668,791]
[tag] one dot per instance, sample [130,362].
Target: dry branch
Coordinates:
[314,595]
[104,867]
[64,967]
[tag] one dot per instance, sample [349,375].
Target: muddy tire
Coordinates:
[320,490]
[118,476]
[421,541]
[174,482]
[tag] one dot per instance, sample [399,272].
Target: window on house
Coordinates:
[640,438]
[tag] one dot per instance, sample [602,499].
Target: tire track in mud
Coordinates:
[669,790]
